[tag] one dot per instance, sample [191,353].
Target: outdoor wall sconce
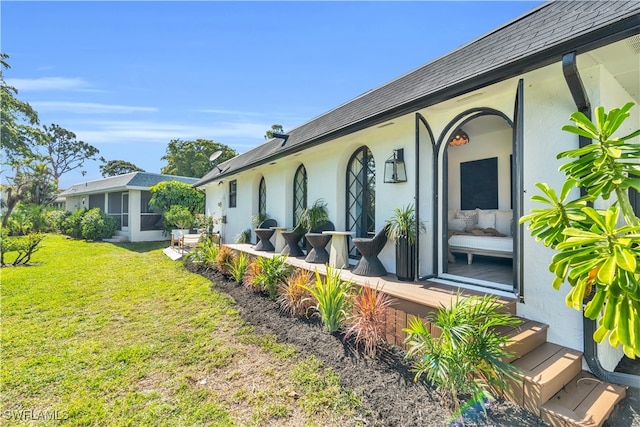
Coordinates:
[459,137]
[394,169]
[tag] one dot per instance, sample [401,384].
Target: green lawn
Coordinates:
[103,334]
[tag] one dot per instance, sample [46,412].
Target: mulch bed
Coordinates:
[384,385]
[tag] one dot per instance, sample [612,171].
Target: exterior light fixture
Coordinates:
[394,168]
[459,137]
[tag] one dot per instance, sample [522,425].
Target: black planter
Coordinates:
[405,260]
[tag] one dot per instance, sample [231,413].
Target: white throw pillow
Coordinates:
[486,219]
[456,225]
[503,222]
[470,218]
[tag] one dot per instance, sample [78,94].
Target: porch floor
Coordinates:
[425,293]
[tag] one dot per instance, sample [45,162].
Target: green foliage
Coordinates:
[118,167]
[244,236]
[332,296]
[403,224]
[62,152]
[191,158]
[238,267]
[54,219]
[294,298]
[166,194]
[72,224]
[272,272]
[596,249]
[25,246]
[205,254]
[467,359]
[178,217]
[27,218]
[96,225]
[274,129]
[259,218]
[314,215]
[366,323]
[18,120]
[224,259]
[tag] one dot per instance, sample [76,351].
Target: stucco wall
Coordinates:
[547,107]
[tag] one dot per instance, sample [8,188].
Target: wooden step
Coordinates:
[584,401]
[525,337]
[544,371]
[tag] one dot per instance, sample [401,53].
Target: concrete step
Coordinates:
[545,370]
[584,401]
[525,337]
[116,239]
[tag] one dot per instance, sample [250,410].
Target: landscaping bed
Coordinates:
[385,384]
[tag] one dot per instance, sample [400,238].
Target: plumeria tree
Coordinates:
[597,250]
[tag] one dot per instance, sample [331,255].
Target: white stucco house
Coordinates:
[510,91]
[126,198]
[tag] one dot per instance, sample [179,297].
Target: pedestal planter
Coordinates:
[405,260]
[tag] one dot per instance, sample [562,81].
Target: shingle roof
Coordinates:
[532,37]
[121,182]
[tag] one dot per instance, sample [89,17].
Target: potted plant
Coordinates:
[313,216]
[401,227]
[180,219]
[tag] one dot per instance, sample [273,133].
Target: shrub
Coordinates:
[294,297]
[238,267]
[26,218]
[178,217]
[55,219]
[205,254]
[273,271]
[72,225]
[96,225]
[467,359]
[249,279]
[25,246]
[367,320]
[223,259]
[332,298]
[244,236]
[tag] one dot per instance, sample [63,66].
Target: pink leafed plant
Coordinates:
[367,321]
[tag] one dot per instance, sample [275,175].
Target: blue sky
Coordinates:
[127,77]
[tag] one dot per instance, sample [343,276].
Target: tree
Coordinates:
[18,120]
[118,167]
[31,183]
[63,152]
[274,129]
[597,252]
[191,158]
[166,194]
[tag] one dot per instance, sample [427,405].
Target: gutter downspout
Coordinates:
[572,77]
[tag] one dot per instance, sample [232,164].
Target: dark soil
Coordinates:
[384,385]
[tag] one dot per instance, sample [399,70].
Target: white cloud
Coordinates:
[48,83]
[88,107]
[228,112]
[124,132]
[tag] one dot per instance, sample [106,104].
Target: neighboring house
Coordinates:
[511,91]
[126,198]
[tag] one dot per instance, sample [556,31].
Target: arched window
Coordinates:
[262,197]
[361,196]
[299,193]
